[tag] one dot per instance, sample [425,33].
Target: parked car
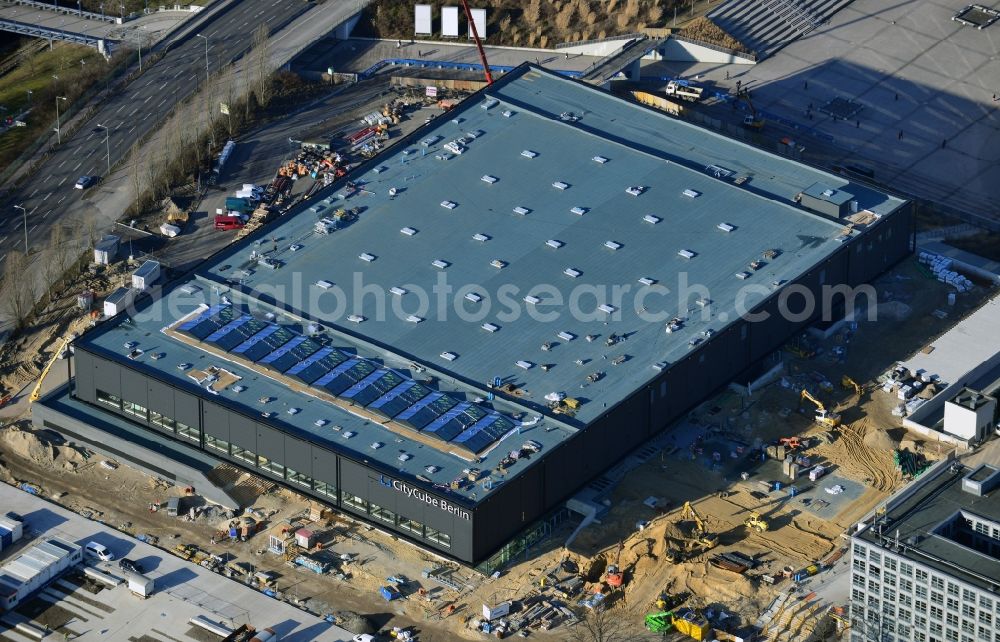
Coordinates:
[130,566]
[85,181]
[97,551]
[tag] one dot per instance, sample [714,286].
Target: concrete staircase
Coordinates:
[765,26]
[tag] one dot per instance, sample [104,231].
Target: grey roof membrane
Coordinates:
[516,148]
[919,516]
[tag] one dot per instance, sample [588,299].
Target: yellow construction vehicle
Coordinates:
[699,535]
[753,120]
[565,406]
[823,416]
[37,392]
[757,523]
[851,384]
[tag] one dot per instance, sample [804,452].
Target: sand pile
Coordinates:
[27,445]
[880,441]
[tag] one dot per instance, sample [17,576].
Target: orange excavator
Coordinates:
[615,577]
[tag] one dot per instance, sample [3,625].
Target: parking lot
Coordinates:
[181,591]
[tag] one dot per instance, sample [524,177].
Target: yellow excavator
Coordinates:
[699,534]
[36,393]
[851,384]
[823,416]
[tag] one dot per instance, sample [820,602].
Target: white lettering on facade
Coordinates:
[425,497]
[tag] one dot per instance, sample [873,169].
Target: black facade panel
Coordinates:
[160,397]
[299,455]
[187,410]
[353,477]
[271,443]
[242,431]
[507,511]
[216,422]
[324,462]
[135,389]
[85,376]
[108,376]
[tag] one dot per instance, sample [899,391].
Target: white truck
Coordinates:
[690,93]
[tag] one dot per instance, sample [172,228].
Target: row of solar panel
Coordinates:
[381,390]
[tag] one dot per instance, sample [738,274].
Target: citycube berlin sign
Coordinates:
[421,496]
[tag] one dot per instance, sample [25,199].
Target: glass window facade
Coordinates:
[109,400]
[244,455]
[217,444]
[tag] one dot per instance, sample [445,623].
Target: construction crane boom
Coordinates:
[479,43]
[37,391]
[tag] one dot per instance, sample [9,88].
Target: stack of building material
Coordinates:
[941,266]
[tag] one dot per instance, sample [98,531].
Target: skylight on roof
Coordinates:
[324,284]
[635,190]
[521,211]
[490,327]
[408,231]
[440,264]
[398,291]
[560,185]
[647,280]
[649,218]
[529,154]
[356,318]
[604,307]
[573,272]
[449,205]
[566,336]
[726,227]
[482,238]
[599,159]
[555,244]
[527,365]
[366,257]
[498,263]
[414,319]
[612,245]
[687,254]
[472,296]
[579,211]
[691,193]
[449,356]
[533,300]
[488,178]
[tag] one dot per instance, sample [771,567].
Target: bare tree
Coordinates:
[601,625]
[262,65]
[18,288]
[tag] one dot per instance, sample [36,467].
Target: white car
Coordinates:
[98,551]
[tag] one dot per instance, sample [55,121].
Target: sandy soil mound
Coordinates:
[26,445]
[880,441]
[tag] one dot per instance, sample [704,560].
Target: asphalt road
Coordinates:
[49,197]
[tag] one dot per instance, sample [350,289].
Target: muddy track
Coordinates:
[876,466]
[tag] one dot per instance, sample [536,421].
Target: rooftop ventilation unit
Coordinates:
[414,319]
[649,218]
[554,244]
[742,276]
[579,211]
[472,296]
[449,356]
[430,470]
[690,193]
[449,205]
[726,227]
[529,154]
[490,327]
[439,264]
[408,231]
[490,102]
[828,192]
[573,272]
[612,245]
[375,445]
[560,185]
[687,254]
[609,309]
[427,142]
[647,281]
[507,113]
[319,423]
[482,238]
[521,211]
[380,169]
[348,434]
[527,365]
[366,257]
[324,284]
[356,318]
[487,178]
[405,457]
[398,291]
[533,300]
[566,336]
[475,133]
[599,159]
[635,190]
[498,264]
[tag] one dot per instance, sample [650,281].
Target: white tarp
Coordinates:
[449,22]
[479,17]
[422,19]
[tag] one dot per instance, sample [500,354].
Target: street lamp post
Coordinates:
[102,11]
[29,97]
[107,141]
[24,213]
[58,123]
[206,55]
